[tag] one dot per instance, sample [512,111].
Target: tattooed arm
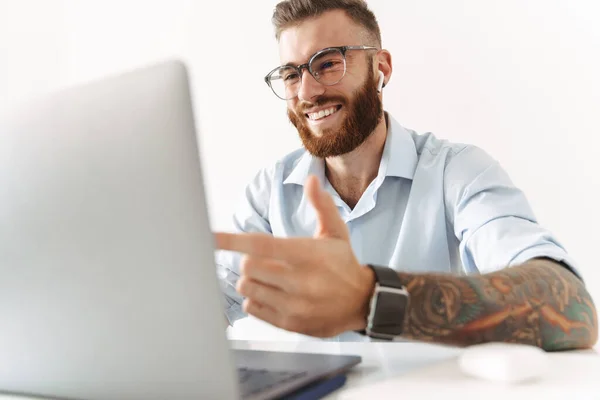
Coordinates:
[540,303]
[317,287]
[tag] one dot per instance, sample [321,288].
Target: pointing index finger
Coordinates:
[264,245]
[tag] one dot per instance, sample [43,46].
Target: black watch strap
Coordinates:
[388,305]
[386,277]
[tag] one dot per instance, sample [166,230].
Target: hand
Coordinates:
[314,286]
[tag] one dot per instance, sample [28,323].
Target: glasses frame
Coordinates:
[299,68]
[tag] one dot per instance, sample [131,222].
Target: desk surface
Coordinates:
[380,360]
[419,370]
[411,370]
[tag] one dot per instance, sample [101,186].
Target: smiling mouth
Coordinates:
[323,113]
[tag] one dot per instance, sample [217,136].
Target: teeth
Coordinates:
[322,114]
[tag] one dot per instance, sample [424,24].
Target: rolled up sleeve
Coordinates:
[492,218]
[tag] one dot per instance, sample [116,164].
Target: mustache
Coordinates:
[320,101]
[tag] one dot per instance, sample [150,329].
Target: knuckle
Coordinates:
[245,287]
[245,265]
[247,306]
[240,286]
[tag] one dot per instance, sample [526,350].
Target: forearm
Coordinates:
[539,303]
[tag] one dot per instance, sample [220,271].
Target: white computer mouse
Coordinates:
[504,362]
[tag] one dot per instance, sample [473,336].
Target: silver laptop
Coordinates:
[108,287]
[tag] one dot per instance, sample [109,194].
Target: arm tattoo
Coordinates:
[540,303]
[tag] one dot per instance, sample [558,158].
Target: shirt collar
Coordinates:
[399,157]
[400,151]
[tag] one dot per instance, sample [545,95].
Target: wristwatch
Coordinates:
[388,305]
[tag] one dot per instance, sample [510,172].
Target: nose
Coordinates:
[309,87]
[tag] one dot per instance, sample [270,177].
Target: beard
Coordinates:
[364,114]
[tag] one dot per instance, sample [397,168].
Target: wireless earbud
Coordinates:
[381,79]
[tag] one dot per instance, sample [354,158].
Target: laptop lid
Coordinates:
[108,288]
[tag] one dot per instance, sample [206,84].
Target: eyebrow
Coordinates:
[291,64]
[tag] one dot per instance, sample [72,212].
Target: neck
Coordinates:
[350,174]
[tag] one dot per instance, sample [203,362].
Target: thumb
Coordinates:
[329,222]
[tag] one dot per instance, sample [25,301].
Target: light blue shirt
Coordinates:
[435,206]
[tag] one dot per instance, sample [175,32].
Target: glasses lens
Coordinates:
[328,67]
[285,82]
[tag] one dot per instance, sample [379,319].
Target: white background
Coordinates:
[520,78]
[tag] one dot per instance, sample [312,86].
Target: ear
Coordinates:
[384,66]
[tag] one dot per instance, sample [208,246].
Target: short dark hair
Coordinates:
[292,12]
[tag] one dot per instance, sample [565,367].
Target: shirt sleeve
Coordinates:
[250,216]
[492,218]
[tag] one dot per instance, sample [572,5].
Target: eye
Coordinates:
[331,64]
[290,77]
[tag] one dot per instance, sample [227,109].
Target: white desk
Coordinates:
[379,360]
[403,370]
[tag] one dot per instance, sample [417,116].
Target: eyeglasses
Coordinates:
[327,66]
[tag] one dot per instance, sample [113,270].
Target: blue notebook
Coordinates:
[319,389]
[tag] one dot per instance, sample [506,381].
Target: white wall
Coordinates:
[517,77]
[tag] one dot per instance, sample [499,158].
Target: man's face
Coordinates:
[354,100]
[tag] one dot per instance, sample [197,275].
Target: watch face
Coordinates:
[388,318]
